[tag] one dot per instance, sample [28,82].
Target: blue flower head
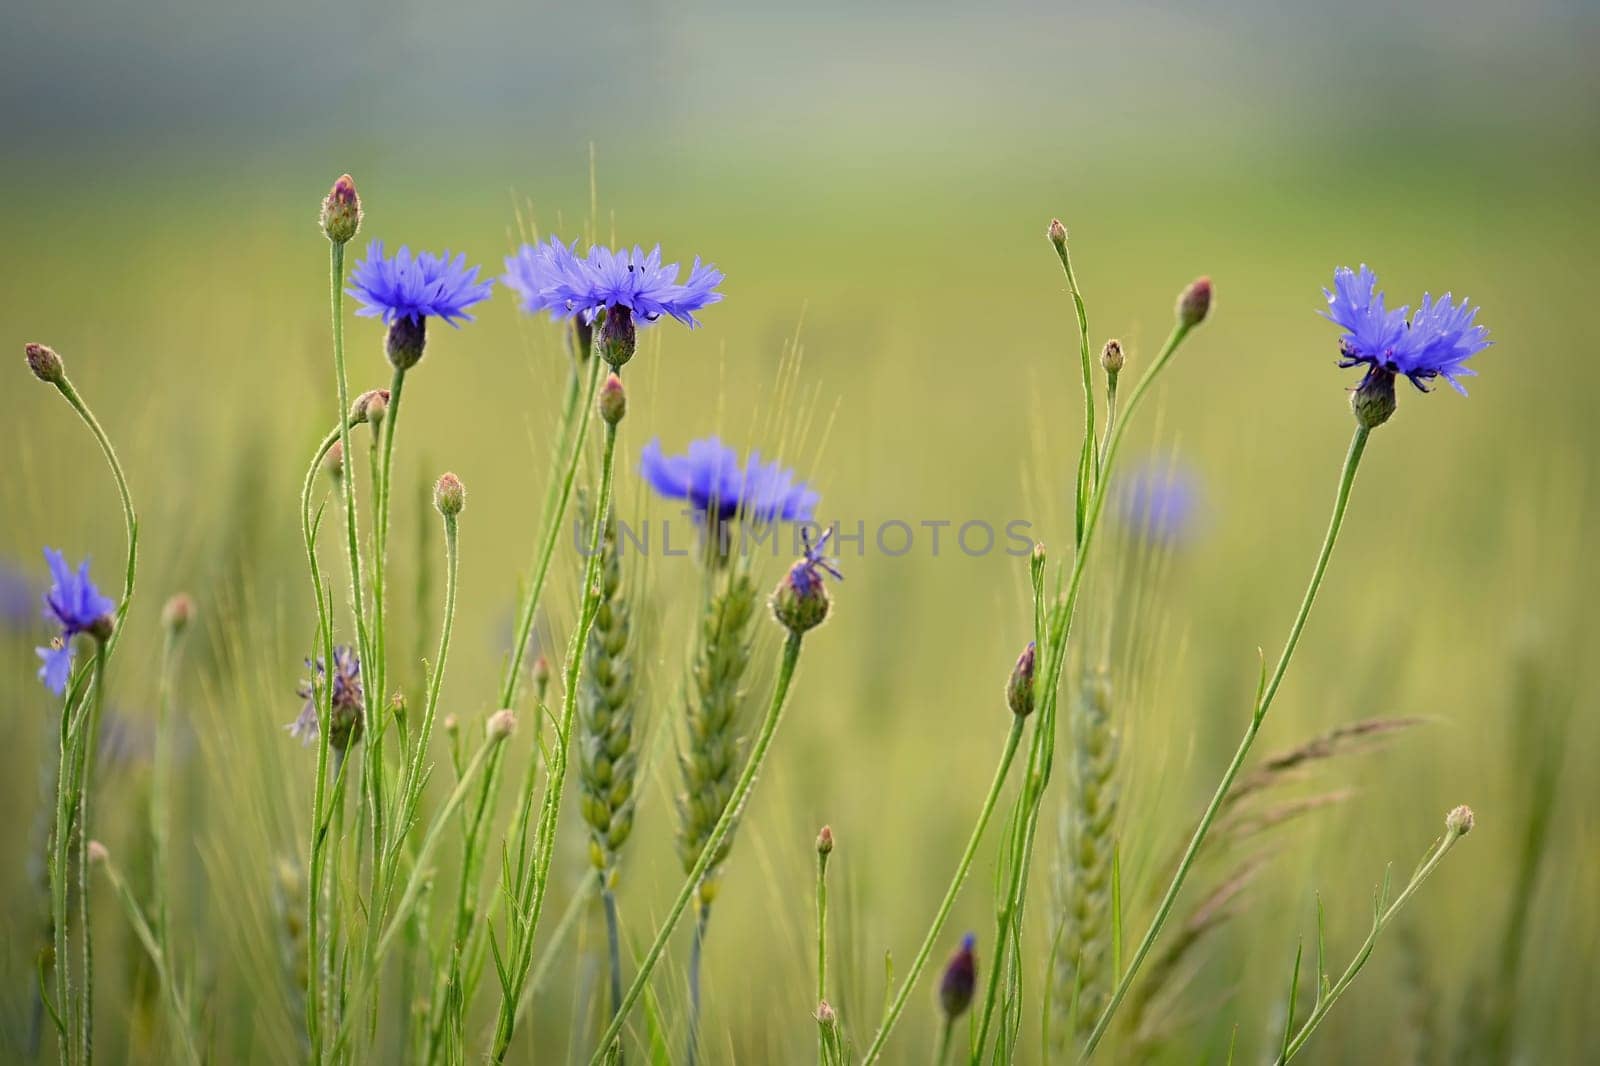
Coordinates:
[74,604]
[551,277]
[719,488]
[348,699]
[1436,341]
[1160,501]
[16,598]
[801,602]
[411,288]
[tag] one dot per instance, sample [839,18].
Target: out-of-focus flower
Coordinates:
[716,485]
[77,607]
[348,699]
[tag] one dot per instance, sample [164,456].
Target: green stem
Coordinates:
[161,798]
[531,895]
[1041,758]
[1347,479]
[1089,466]
[88,741]
[159,957]
[129,520]
[945,1036]
[1325,1001]
[719,833]
[1013,738]
[822,950]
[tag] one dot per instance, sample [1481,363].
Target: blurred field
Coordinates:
[186,290]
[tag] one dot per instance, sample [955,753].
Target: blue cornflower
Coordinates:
[415,287]
[77,607]
[551,277]
[1160,501]
[718,488]
[1436,341]
[348,699]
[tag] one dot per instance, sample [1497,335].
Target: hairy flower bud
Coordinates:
[45,363]
[1111,357]
[178,612]
[449,495]
[1195,303]
[341,211]
[451,724]
[801,602]
[1460,821]
[613,401]
[541,675]
[617,337]
[1019,689]
[825,841]
[1373,400]
[370,406]
[333,462]
[405,342]
[826,1014]
[97,852]
[1057,233]
[501,725]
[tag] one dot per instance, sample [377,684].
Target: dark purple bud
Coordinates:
[45,363]
[960,979]
[1195,303]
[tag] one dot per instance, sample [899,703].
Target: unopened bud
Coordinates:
[451,724]
[501,725]
[1373,400]
[1057,233]
[541,675]
[97,852]
[613,400]
[617,337]
[370,406]
[825,841]
[825,1013]
[175,616]
[45,363]
[801,602]
[341,211]
[1019,689]
[1460,821]
[1195,303]
[449,495]
[405,342]
[1111,356]
[333,462]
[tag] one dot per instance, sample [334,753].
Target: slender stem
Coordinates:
[1347,479]
[161,804]
[1090,464]
[713,844]
[1325,1001]
[347,482]
[943,1055]
[159,957]
[531,895]
[558,938]
[129,520]
[59,857]
[1013,738]
[822,949]
[89,740]
[1041,757]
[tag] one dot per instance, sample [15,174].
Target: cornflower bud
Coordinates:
[613,401]
[825,841]
[1373,400]
[1195,303]
[1019,689]
[1460,821]
[501,725]
[175,616]
[341,211]
[449,495]
[405,342]
[1111,357]
[45,363]
[960,979]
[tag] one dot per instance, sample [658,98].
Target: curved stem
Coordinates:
[719,833]
[1325,1001]
[129,520]
[1341,501]
[1013,738]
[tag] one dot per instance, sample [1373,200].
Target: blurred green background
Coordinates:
[876,186]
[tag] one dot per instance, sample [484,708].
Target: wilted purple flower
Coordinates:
[960,979]
[348,699]
[801,601]
[551,277]
[77,607]
[1436,342]
[415,287]
[1159,501]
[710,477]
